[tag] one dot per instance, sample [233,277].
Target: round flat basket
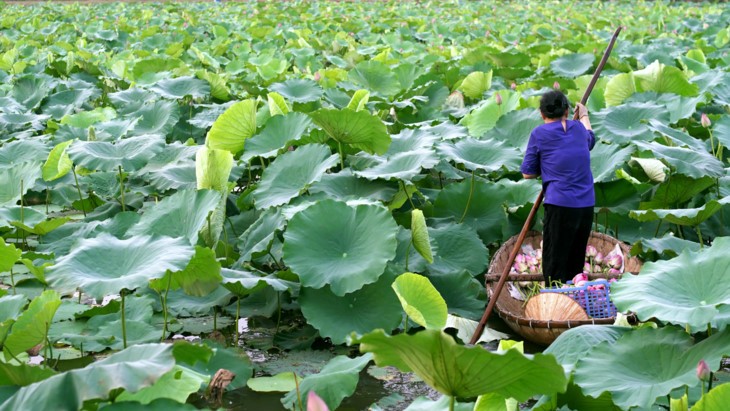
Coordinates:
[554,307]
[545,331]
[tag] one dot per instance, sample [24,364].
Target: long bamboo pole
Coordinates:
[505,273]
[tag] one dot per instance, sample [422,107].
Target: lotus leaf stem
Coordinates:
[299,394]
[408,196]
[468,201]
[452,402]
[278,309]
[121,182]
[12,281]
[81,198]
[712,144]
[699,234]
[215,318]
[342,155]
[124,322]
[238,316]
[164,306]
[408,252]
[656,232]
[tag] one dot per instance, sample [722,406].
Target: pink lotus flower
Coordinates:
[580,277]
[591,251]
[587,267]
[614,261]
[598,259]
[705,121]
[556,85]
[614,271]
[498,99]
[513,86]
[703,371]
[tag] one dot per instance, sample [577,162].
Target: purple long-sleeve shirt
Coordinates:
[562,158]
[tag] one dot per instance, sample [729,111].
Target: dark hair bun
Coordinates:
[553,104]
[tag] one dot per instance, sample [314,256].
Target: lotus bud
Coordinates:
[703,371]
[556,85]
[455,100]
[317,76]
[498,99]
[513,86]
[587,267]
[531,260]
[591,251]
[533,269]
[486,34]
[614,261]
[614,271]
[580,277]
[598,259]
[520,258]
[612,280]
[538,254]
[705,121]
[315,402]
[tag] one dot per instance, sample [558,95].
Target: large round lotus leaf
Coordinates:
[683,290]
[358,129]
[336,381]
[464,294]
[105,265]
[483,210]
[345,186]
[572,65]
[458,248]
[465,372]
[678,107]
[514,127]
[343,246]
[686,216]
[487,155]
[30,89]
[412,140]
[157,118]
[258,236]
[721,130]
[136,367]
[715,400]
[30,327]
[181,87]
[401,166]
[476,84]
[182,214]
[606,159]
[21,151]
[573,344]
[692,163]
[131,153]
[420,300]
[58,163]
[678,190]
[244,283]
[483,118]
[375,76]
[11,176]
[677,137]
[664,79]
[233,127]
[647,363]
[627,123]
[371,307]
[298,90]
[291,173]
[280,131]
[174,177]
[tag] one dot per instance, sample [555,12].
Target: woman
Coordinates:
[558,151]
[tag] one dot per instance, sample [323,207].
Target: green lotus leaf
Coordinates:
[157,117]
[483,210]
[180,304]
[442,404]
[29,90]
[685,216]
[464,295]
[131,153]
[85,119]
[21,151]
[678,190]
[10,308]
[105,265]
[376,77]
[664,79]
[177,384]
[282,382]
[606,159]
[199,278]
[421,301]
[258,236]
[173,177]
[277,104]
[233,127]
[572,65]
[336,381]
[9,255]
[668,246]
[476,84]
[653,168]
[345,186]
[291,173]
[682,290]
[347,252]
[11,176]
[372,306]
[635,370]
[136,367]
[677,137]
[419,230]
[514,127]
[181,87]
[31,327]
[231,359]
[619,88]
[509,59]
[573,344]
[182,214]
[692,163]
[714,400]
[721,130]
[358,129]
[298,90]
[280,131]
[678,107]
[483,118]
[465,372]
[627,123]
[244,283]
[212,169]
[58,163]
[458,247]
[23,374]
[487,155]
[465,328]
[400,166]
[359,100]
[42,228]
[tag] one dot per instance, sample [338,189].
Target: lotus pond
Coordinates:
[241,205]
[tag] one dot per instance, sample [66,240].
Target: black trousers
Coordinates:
[564,239]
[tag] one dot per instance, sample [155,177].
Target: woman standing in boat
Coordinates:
[559,153]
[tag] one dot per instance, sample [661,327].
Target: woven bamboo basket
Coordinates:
[512,311]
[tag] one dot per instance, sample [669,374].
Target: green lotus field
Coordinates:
[307,194]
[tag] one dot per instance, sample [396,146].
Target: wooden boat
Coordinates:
[512,310]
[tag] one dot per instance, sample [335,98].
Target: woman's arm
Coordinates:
[586,121]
